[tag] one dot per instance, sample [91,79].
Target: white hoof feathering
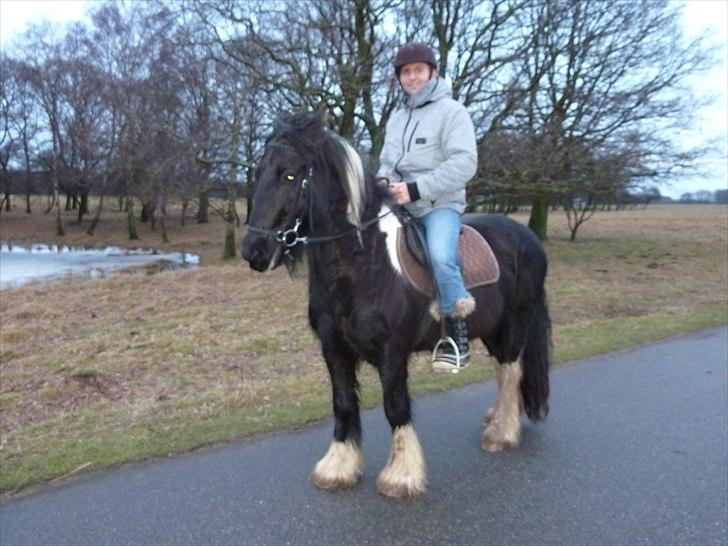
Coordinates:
[503,422]
[405,473]
[340,467]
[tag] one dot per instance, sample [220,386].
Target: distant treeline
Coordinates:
[575,102]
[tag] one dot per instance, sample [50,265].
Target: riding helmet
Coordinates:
[415,52]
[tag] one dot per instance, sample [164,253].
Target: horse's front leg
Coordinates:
[405,473]
[503,421]
[342,464]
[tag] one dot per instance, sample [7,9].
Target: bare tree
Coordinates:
[43,67]
[600,76]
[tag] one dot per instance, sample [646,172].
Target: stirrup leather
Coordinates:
[445,362]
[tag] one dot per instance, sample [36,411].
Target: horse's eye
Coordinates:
[290,178]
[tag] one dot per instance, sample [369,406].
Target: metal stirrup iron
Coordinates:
[443,364]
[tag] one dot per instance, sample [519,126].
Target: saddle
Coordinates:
[479,264]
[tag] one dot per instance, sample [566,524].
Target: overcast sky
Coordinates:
[698,16]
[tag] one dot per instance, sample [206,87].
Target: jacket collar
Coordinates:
[432,91]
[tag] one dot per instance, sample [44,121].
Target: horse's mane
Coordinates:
[308,135]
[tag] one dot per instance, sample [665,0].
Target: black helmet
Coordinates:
[416,52]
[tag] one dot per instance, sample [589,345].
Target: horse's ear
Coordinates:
[322,112]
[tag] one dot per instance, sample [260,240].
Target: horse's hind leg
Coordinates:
[342,464]
[503,421]
[405,473]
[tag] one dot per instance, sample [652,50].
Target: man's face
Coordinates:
[414,76]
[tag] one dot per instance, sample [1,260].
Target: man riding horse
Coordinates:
[429,156]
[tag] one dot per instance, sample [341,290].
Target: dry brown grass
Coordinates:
[135,365]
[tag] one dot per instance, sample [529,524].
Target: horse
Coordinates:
[313,193]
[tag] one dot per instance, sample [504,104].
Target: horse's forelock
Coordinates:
[304,132]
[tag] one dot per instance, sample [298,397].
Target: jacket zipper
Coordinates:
[409,144]
[396,165]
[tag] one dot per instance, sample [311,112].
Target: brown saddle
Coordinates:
[480,266]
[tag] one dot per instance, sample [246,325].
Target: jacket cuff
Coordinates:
[414,192]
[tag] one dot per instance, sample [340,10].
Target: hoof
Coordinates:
[495,441]
[340,468]
[331,483]
[400,486]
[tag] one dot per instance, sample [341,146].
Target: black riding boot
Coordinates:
[452,353]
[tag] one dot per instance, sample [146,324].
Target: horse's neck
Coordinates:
[353,256]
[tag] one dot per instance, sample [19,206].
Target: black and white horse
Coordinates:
[312,191]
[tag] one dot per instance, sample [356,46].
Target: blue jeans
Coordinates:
[442,232]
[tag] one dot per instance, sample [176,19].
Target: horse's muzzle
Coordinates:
[260,252]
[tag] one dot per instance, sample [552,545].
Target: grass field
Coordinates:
[98,373]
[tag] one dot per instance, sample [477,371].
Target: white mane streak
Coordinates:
[354,184]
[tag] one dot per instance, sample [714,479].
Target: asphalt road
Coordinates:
[635,451]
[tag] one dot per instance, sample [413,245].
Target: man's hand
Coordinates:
[400,193]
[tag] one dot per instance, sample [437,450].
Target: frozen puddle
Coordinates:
[20,265]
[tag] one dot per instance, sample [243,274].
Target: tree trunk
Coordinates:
[82,207]
[7,200]
[147,212]
[159,215]
[130,220]
[27,203]
[51,202]
[538,222]
[183,216]
[203,210]
[56,192]
[229,248]
[92,227]
[95,221]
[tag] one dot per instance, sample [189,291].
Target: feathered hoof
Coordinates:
[495,440]
[340,468]
[393,483]
[405,474]
[332,483]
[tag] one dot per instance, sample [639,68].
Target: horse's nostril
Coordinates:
[254,252]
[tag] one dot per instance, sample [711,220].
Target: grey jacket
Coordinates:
[430,144]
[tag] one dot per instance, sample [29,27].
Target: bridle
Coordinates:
[290,237]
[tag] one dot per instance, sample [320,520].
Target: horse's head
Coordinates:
[299,150]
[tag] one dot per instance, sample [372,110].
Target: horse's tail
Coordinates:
[535,362]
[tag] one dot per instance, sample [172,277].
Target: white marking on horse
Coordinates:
[503,421]
[405,473]
[389,224]
[340,467]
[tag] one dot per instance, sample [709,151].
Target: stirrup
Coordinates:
[446,362]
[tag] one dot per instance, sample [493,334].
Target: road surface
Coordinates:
[633,452]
